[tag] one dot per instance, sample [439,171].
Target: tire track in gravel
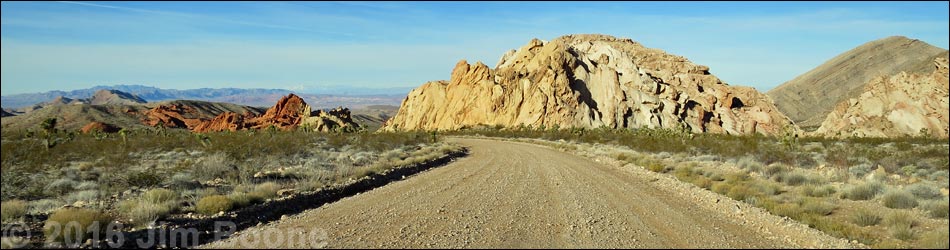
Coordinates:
[518,195]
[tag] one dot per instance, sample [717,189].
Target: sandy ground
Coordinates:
[520,195]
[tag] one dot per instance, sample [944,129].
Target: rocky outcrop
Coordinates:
[290,112]
[337,119]
[173,116]
[809,98]
[100,127]
[905,104]
[227,121]
[588,81]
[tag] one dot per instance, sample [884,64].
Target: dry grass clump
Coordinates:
[924,191]
[794,178]
[937,239]
[750,164]
[937,209]
[773,170]
[862,191]
[13,210]
[241,199]
[900,219]
[264,191]
[214,204]
[812,190]
[73,226]
[818,206]
[903,233]
[159,195]
[899,199]
[150,206]
[864,218]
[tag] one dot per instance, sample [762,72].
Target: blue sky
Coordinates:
[302,45]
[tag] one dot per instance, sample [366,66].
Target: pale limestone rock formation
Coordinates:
[588,81]
[905,104]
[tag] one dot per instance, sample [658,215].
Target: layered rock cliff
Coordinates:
[588,81]
[905,104]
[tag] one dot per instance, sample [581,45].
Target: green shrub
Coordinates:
[863,191]
[45,206]
[61,186]
[73,226]
[865,218]
[937,209]
[214,204]
[84,195]
[818,191]
[13,210]
[924,191]
[900,219]
[938,239]
[899,199]
[159,195]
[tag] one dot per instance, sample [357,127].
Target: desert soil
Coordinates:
[521,195]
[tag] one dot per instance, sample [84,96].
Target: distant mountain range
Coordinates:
[337,96]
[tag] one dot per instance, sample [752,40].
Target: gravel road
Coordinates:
[518,195]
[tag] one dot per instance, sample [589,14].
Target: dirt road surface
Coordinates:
[519,195]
